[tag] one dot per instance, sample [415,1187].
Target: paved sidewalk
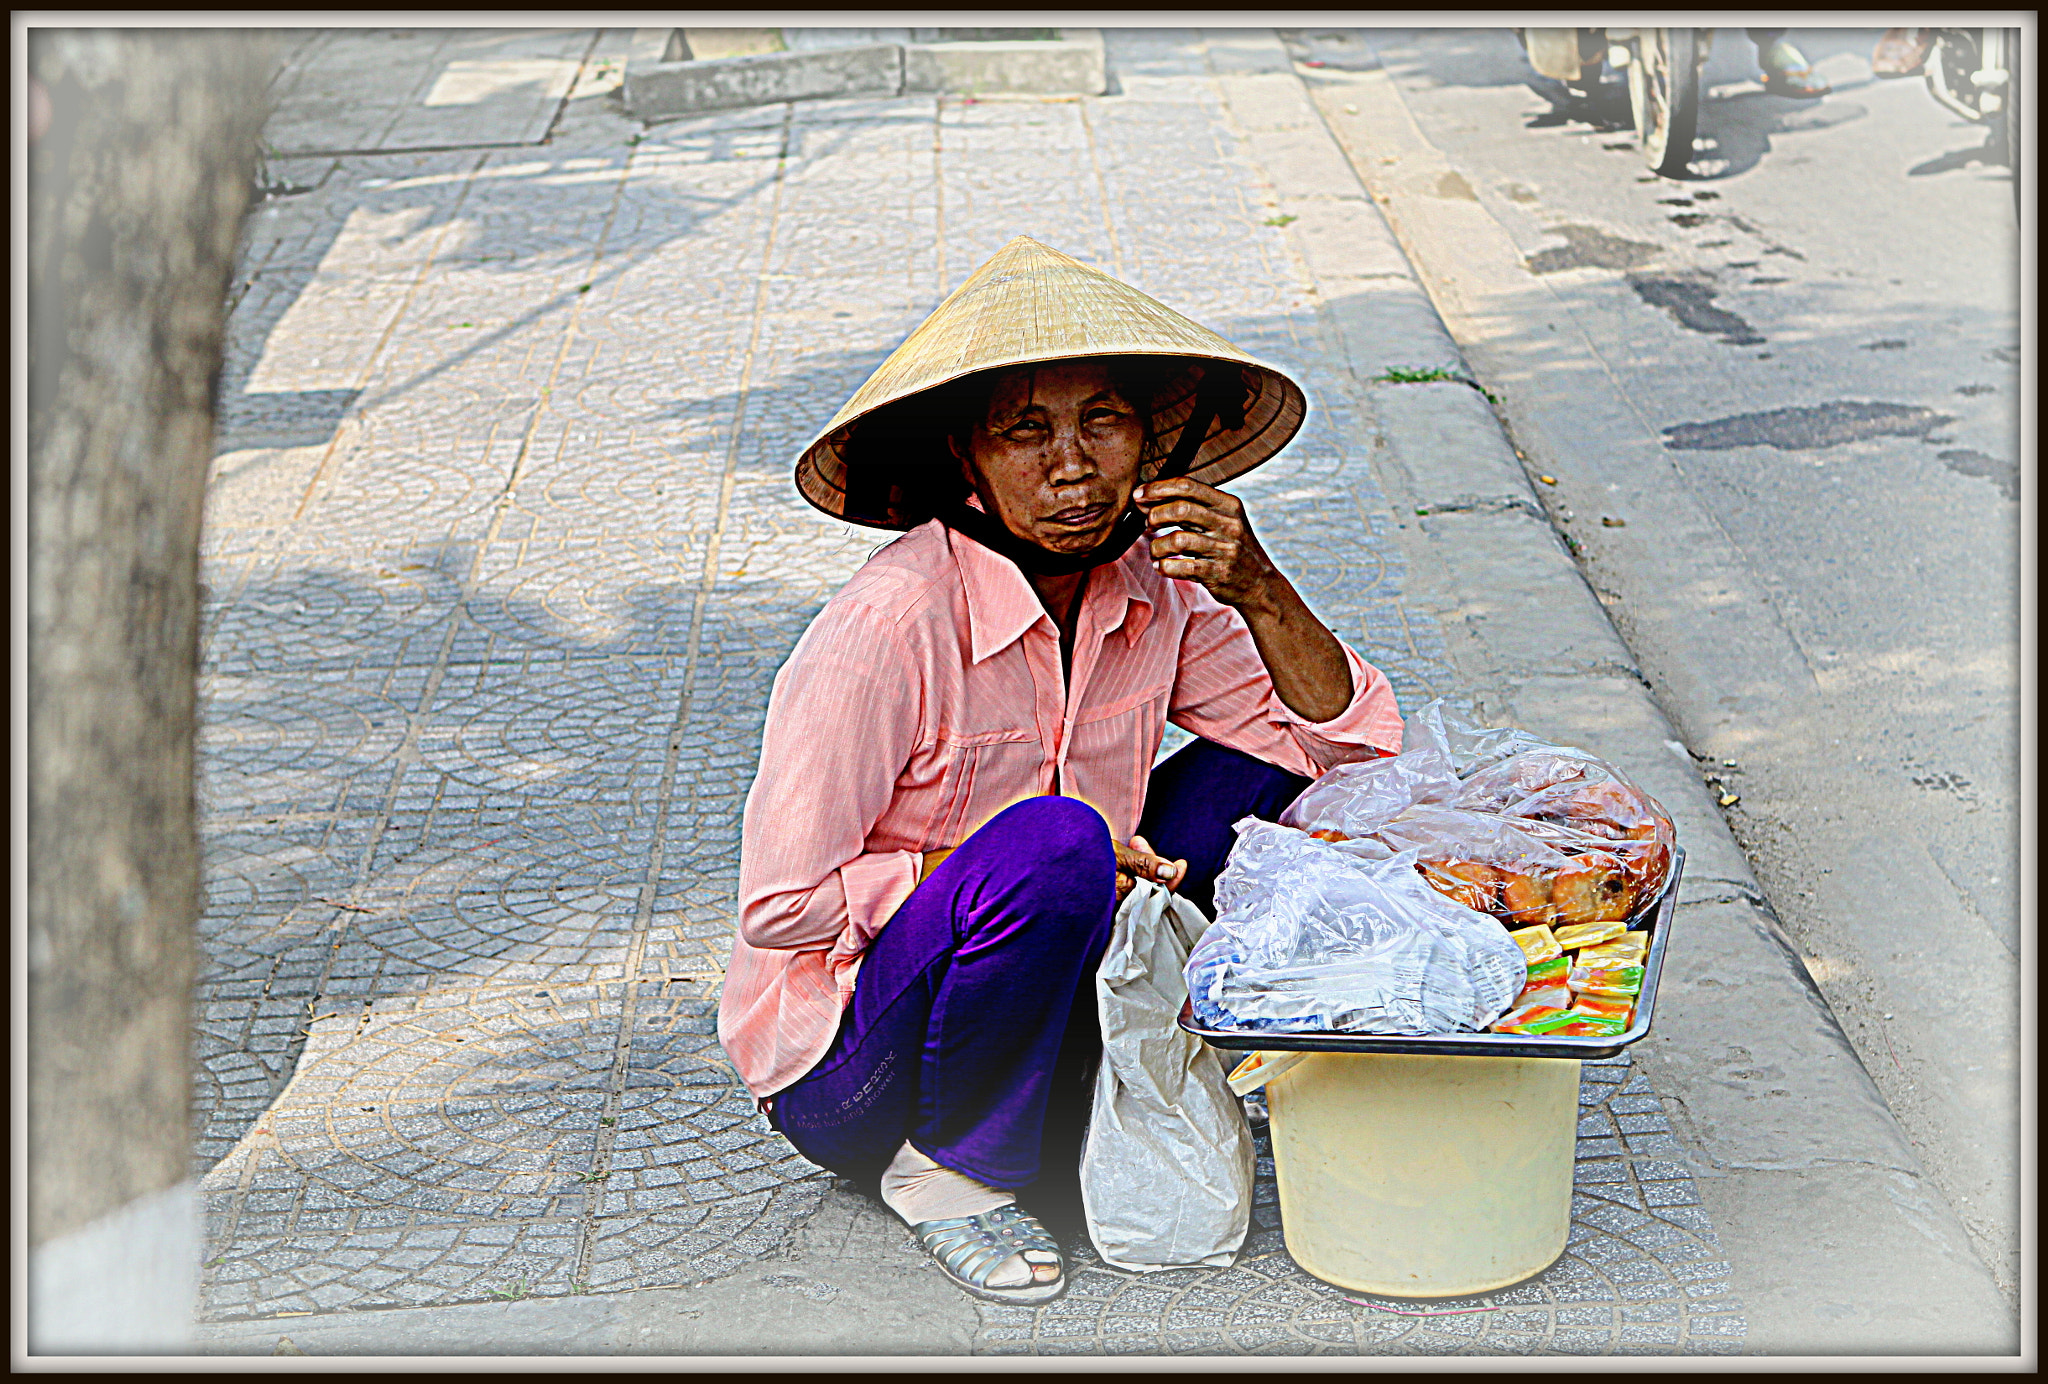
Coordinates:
[502,555]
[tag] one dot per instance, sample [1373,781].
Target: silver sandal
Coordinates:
[969,1249]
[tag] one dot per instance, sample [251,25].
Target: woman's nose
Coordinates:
[1070,460]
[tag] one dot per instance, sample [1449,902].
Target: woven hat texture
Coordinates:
[1030,304]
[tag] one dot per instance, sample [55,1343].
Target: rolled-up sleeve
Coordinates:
[843,718]
[1223,692]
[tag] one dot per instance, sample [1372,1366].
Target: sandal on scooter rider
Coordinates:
[971,1249]
[1902,53]
[1786,72]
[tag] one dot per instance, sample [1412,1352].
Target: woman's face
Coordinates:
[1056,456]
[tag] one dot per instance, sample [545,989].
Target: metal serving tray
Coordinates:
[1474,1044]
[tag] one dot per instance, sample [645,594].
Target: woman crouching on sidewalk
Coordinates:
[955,785]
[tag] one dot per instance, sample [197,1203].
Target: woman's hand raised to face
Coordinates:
[1213,544]
[1211,541]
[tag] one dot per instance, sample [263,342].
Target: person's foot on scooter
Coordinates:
[1902,53]
[1786,72]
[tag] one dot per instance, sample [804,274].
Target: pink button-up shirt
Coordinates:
[926,697]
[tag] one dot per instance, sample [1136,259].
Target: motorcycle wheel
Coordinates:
[1664,93]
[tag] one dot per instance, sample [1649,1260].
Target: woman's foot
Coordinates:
[964,1222]
[1003,1255]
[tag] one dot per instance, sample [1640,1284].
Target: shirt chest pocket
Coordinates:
[973,774]
[1121,737]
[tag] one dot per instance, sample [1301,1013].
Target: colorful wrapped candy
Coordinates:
[1525,1018]
[1597,1007]
[1629,949]
[1578,935]
[1588,1027]
[1551,995]
[1537,943]
[1574,1021]
[1607,982]
[1557,969]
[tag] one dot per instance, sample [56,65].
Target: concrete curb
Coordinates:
[1838,1243]
[1071,65]
[657,90]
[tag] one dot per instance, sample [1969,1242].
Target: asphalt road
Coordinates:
[1780,401]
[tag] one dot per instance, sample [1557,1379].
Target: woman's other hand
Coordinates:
[1133,862]
[1136,861]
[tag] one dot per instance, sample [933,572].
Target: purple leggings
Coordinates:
[974,1006]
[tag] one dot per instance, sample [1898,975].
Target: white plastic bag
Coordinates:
[1166,1174]
[1312,936]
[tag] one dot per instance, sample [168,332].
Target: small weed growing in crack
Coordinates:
[512,1291]
[1433,374]
[1403,374]
[1281,220]
[594,1175]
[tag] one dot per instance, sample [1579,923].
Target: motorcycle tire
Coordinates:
[1664,94]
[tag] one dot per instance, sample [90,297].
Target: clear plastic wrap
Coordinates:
[1500,821]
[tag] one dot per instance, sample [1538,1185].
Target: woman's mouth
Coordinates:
[1079,516]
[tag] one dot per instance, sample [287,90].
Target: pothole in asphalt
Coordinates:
[1966,462]
[1801,429]
[1589,247]
[1690,301]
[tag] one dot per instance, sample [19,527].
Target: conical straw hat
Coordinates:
[1030,303]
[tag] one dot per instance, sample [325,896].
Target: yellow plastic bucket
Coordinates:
[1424,1176]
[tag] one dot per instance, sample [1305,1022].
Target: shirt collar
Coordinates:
[1127,598]
[1001,603]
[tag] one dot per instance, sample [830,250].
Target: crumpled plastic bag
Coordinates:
[1166,1173]
[1313,937]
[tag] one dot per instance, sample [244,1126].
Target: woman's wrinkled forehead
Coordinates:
[1016,390]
